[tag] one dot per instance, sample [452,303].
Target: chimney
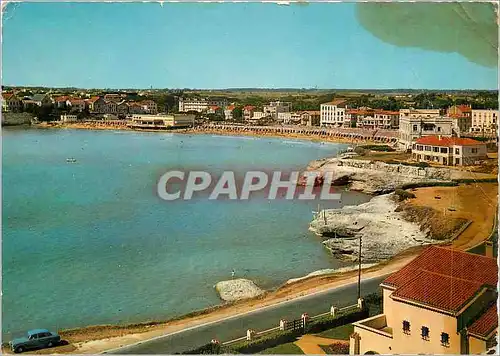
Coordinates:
[439,137]
[488,249]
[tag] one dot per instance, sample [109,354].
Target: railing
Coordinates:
[256,335]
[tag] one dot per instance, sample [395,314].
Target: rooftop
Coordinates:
[486,323]
[443,278]
[447,141]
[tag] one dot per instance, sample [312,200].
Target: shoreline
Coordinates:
[207,131]
[99,338]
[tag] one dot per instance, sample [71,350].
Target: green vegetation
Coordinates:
[340,332]
[403,194]
[285,349]
[380,148]
[266,342]
[411,164]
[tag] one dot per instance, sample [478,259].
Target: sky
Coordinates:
[231,45]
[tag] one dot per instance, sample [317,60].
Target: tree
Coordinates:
[237,113]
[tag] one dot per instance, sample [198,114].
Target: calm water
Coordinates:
[90,242]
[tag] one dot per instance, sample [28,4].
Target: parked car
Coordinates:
[35,339]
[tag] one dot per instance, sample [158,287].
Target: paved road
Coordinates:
[261,319]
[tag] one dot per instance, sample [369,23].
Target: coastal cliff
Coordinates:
[383,230]
[377,177]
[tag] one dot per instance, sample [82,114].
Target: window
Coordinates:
[474,150]
[457,151]
[415,128]
[444,149]
[439,129]
[406,327]
[435,149]
[445,339]
[425,333]
[428,148]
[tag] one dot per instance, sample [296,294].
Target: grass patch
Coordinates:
[283,349]
[379,148]
[341,332]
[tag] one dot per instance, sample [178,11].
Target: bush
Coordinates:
[265,342]
[337,348]
[403,194]
[481,180]
[380,148]
[208,349]
[427,184]
[328,323]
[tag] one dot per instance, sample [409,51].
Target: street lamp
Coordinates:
[359,267]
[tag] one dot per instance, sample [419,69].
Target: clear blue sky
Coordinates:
[194,45]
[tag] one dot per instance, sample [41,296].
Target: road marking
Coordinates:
[272,306]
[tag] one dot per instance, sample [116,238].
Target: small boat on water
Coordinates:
[70,160]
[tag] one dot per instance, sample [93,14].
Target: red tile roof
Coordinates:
[360,112]
[92,99]
[249,108]
[486,323]
[336,102]
[230,107]
[438,290]
[443,278]
[311,112]
[448,262]
[214,107]
[7,95]
[447,141]
[464,108]
[76,101]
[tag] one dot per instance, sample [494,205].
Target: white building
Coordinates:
[484,120]
[169,121]
[276,107]
[69,118]
[200,105]
[333,113]
[412,128]
[416,113]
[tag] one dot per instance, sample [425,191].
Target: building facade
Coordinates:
[412,128]
[484,120]
[200,104]
[276,107]
[310,118]
[419,113]
[442,302]
[169,121]
[11,103]
[333,114]
[68,118]
[449,151]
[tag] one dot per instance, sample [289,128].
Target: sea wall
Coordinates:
[11,118]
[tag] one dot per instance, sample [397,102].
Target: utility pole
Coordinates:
[359,268]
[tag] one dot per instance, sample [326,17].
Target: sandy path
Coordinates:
[475,202]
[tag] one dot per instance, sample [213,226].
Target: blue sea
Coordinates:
[90,242]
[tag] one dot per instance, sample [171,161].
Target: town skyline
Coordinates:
[238,47]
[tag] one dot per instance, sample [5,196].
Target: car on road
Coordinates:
[35,339]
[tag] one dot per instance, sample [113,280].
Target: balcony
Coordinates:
[376,324]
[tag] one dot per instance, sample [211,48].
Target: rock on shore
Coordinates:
[384,231]
[237,289]
[377,177]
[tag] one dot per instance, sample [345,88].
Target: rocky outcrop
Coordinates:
[237,289]
[329,271]
[377,177]
[383,230]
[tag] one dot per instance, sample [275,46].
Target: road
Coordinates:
[260,319]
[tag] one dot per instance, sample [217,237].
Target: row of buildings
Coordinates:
[336,114]
[107,104]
